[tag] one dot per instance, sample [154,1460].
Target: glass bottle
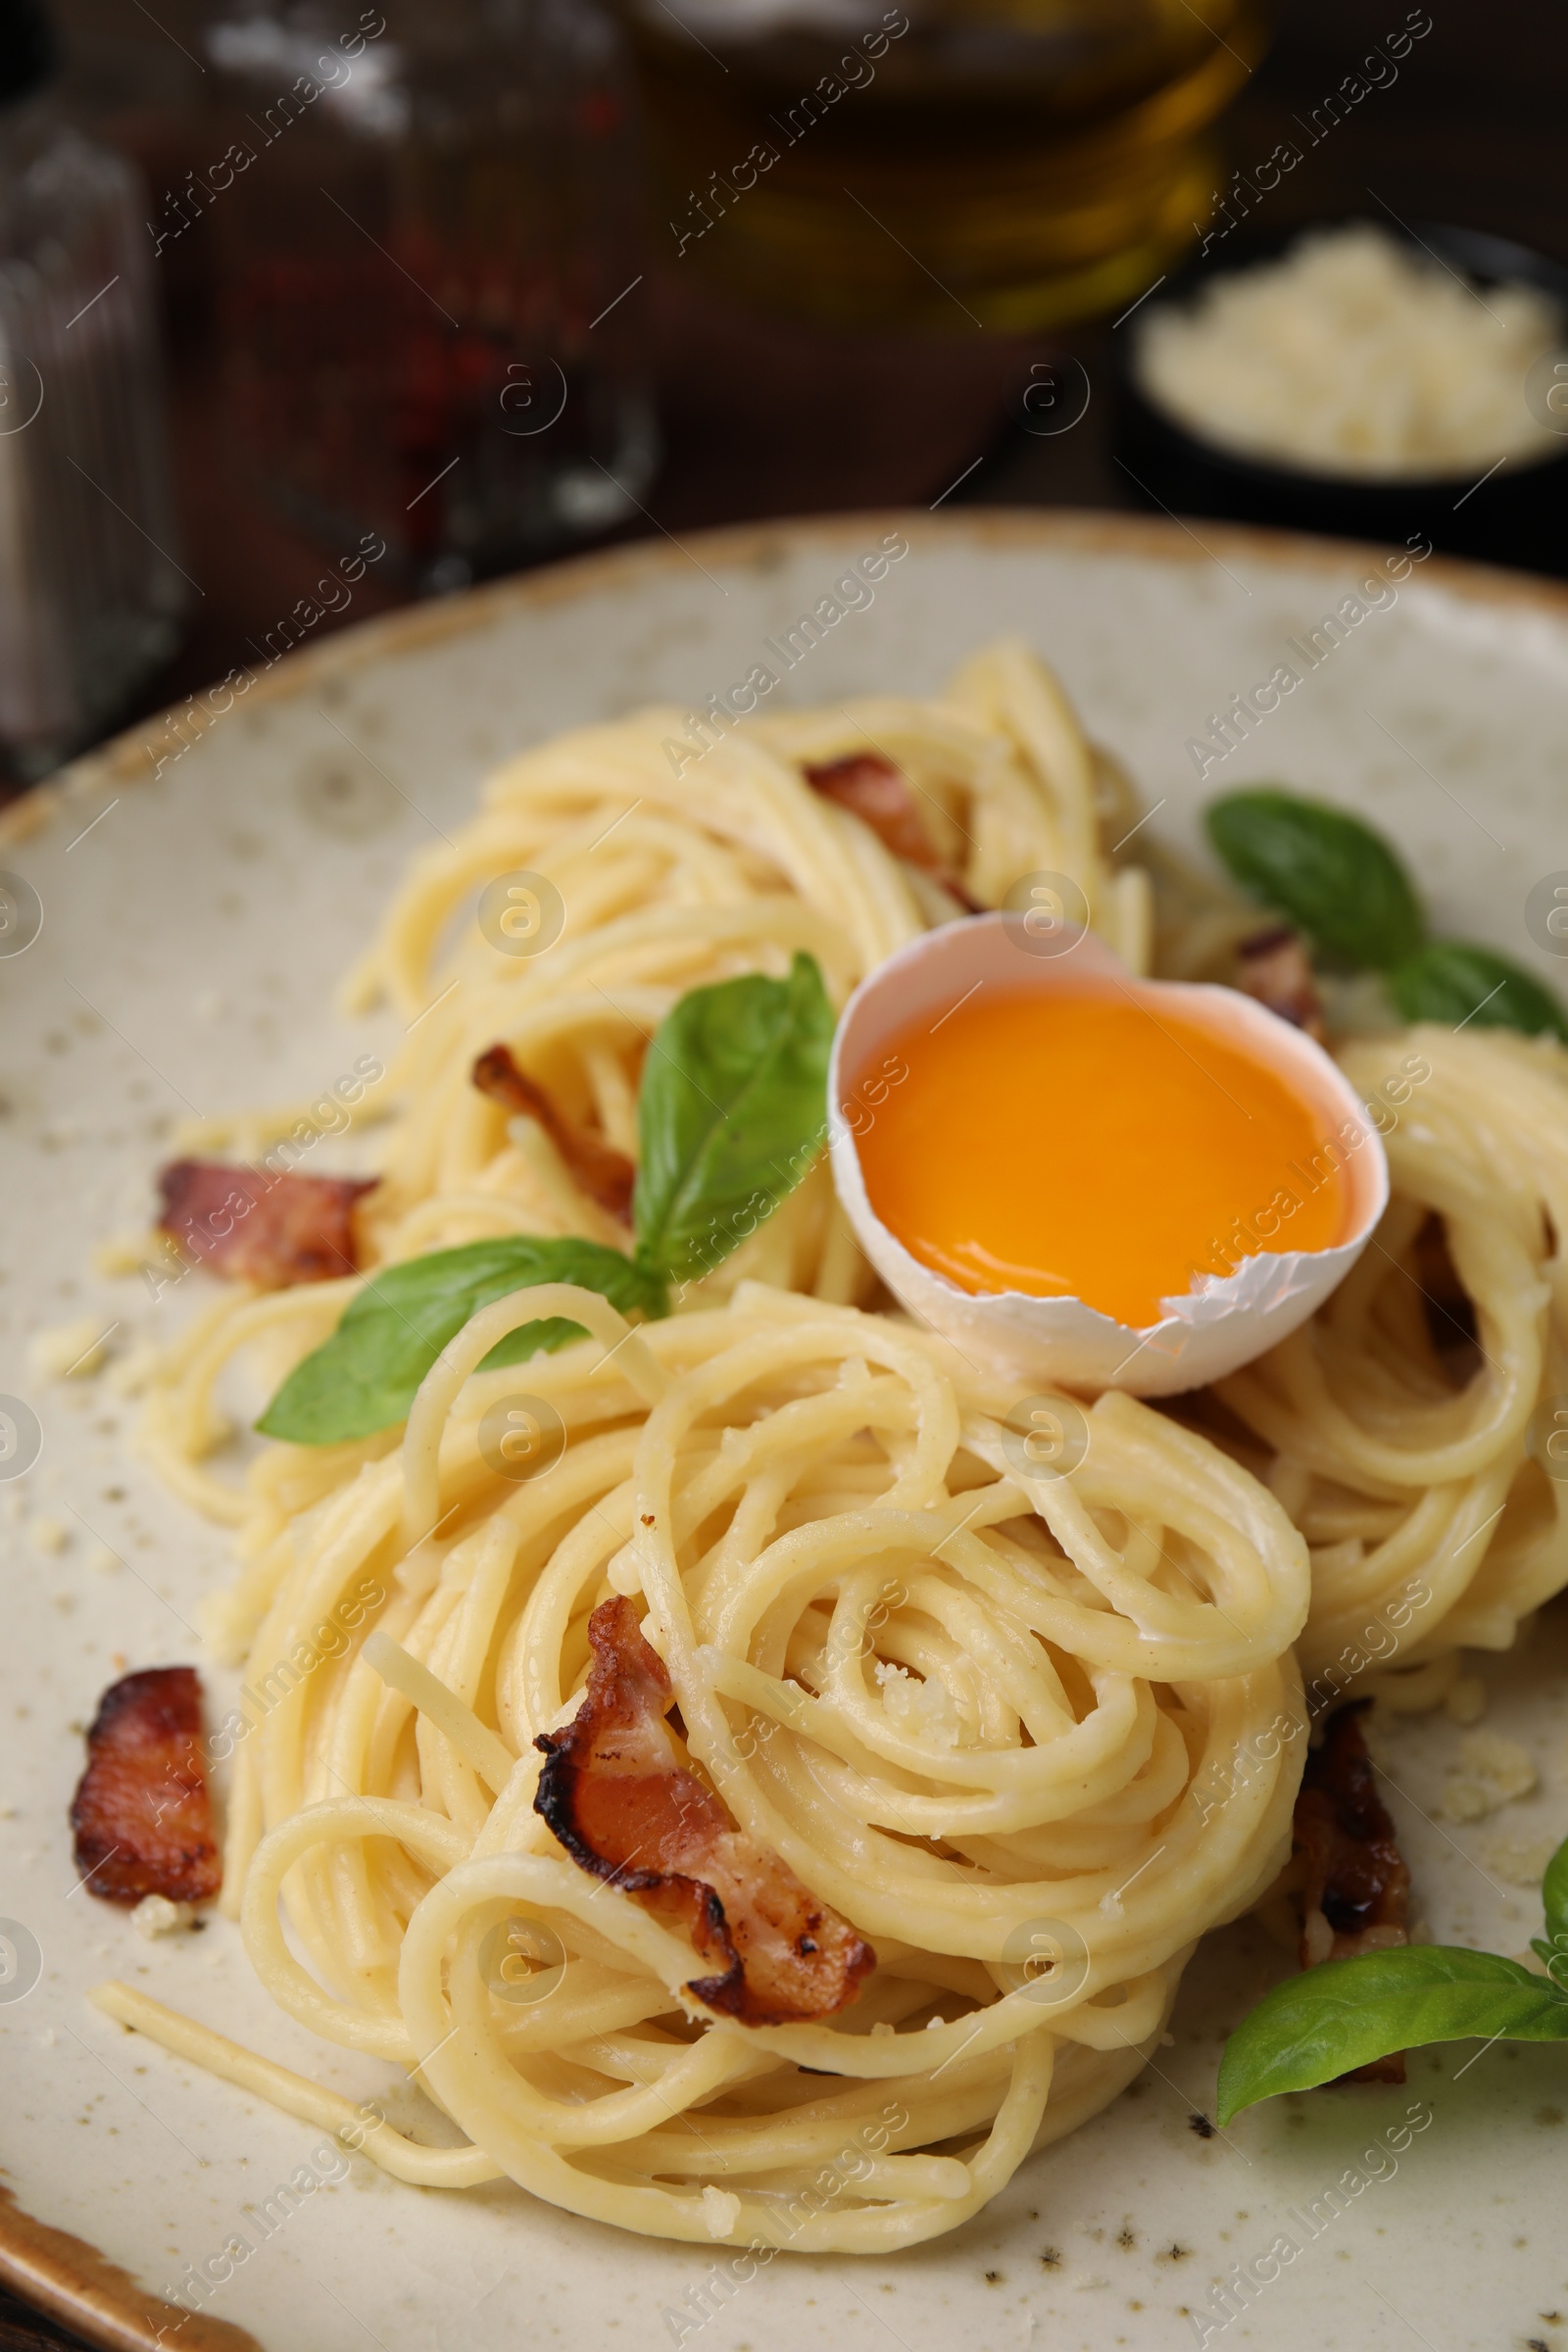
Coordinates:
[91,592]
[937,162]
[425,242]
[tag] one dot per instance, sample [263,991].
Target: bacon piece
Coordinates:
[881,795]
[1273,967]
[1356,1895]
[254,1227]
[604,1174]
[617,1795]
[142,1815]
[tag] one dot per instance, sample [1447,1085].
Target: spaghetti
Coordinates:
[661,884]
[984,1713]
[1396,1427]
[967,1702]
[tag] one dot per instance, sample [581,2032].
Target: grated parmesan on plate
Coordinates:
[920,1709]
[1467,1700]
[156,1914]
[721,2212]
[72,1350]
[1350,354]
[1494,1772]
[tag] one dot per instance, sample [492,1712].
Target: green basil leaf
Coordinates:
[1554,1958]
[366,1375]
[1554,1892]
[1335,878]
[1451,981]
[1553,1948]
[732,1112]
[1330,2020]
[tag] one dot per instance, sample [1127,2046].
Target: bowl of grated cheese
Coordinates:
[1369,384]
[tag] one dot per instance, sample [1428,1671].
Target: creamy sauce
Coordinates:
[1096,1146]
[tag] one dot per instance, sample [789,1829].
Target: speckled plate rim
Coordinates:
[127,756]
[57,2271]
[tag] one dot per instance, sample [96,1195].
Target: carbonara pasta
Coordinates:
[1025,1736]
[975,1707]
[658,883]
[1397,1424]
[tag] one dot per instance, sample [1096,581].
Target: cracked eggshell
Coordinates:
[1203,1335]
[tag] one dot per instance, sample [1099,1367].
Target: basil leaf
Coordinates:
[1451,981]
[1554,1892]
[1552,1949]
[1330,2020]
[1337,881]
[732,1112]
[366,1375]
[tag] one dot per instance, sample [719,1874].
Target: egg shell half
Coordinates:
[1203,1335]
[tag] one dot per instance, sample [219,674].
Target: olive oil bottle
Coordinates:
[1016,163]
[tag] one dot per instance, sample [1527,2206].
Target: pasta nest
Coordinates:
[1030,1733]
[1413,1428]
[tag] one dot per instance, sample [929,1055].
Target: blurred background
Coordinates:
[307,309]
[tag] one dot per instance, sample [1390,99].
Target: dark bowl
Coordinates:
[1517,516]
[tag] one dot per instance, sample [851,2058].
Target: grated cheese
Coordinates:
[72,1350]
[156,1914]
[1352,356]
[1494,1772]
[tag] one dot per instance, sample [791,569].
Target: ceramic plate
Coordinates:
[201,891]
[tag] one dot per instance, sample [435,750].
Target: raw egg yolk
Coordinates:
[1095,1147]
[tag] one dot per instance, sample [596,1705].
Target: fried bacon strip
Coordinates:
[1356,1893]
[270,1230]
[873,789]
[604,1174]
[142,1815]
[617,1795]
[1273,967]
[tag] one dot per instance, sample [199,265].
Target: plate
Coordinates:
[203,883]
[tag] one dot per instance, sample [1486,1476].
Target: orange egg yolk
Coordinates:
[1095,1147]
